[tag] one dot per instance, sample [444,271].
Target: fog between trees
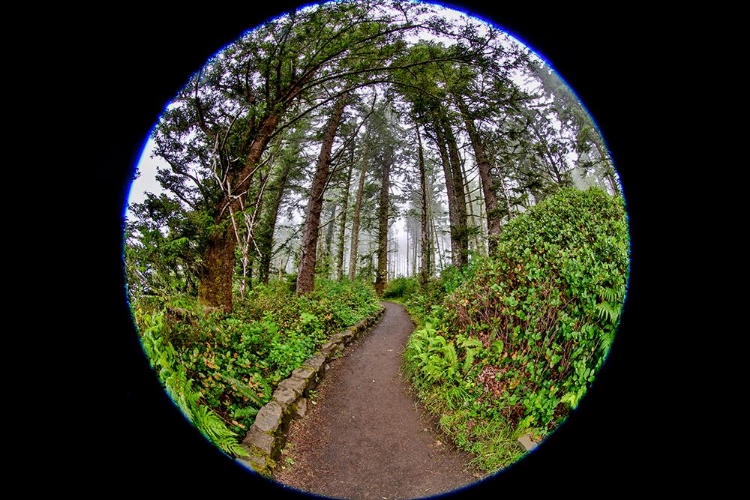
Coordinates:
[354,140]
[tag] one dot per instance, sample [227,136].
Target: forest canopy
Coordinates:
[355,139]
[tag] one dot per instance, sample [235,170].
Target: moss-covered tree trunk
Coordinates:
[215,289]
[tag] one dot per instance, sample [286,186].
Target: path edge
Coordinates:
[267,436]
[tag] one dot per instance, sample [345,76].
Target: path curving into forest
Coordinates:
[366,436]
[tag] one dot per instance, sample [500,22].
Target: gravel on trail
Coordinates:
[365,436]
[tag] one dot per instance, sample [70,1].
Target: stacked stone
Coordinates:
[267,435]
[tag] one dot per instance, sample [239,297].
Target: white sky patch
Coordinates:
[146,181]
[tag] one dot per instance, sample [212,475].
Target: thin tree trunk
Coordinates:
[408,235]
[381,278]
[327,254]
[470,219]
[425,264]
[353,253]
[485,175]
[268,225]
[459,232]
[416,246]
[342,227]
[450,191]
[436,239]
[306,273]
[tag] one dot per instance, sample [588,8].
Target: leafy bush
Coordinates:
[400,287]
[164,359]
[233,362]
[529,328]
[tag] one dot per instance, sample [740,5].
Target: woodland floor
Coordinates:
[365,435]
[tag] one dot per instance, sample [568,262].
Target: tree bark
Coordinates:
[485,175]
[266,231]
[342,227]
[381,279]
[215,290]
[217,272]
[454,183]
[450,192]
[461,227]
[306,273]
[354,251]
[327,254]
[425,269]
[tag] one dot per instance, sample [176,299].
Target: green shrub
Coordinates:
[173,375]
[531,326]
[233,362]
[400,287]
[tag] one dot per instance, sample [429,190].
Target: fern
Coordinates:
[244,390]
[217,432]
[431,355]
[173,376]
[611,305]
[471,346]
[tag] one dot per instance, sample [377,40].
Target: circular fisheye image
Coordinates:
[376,250]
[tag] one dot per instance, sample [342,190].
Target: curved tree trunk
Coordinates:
[306,273]
[488,189]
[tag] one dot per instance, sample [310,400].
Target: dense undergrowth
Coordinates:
[503,347]
[509,345]
[220,369]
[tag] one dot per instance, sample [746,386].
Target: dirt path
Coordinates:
[366,437]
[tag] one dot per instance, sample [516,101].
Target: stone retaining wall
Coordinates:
[267,436]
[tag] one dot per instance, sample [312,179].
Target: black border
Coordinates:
[119,433]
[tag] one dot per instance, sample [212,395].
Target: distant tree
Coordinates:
[426,260]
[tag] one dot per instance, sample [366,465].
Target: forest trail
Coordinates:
[366,437]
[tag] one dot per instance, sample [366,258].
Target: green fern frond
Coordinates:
[243,389]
